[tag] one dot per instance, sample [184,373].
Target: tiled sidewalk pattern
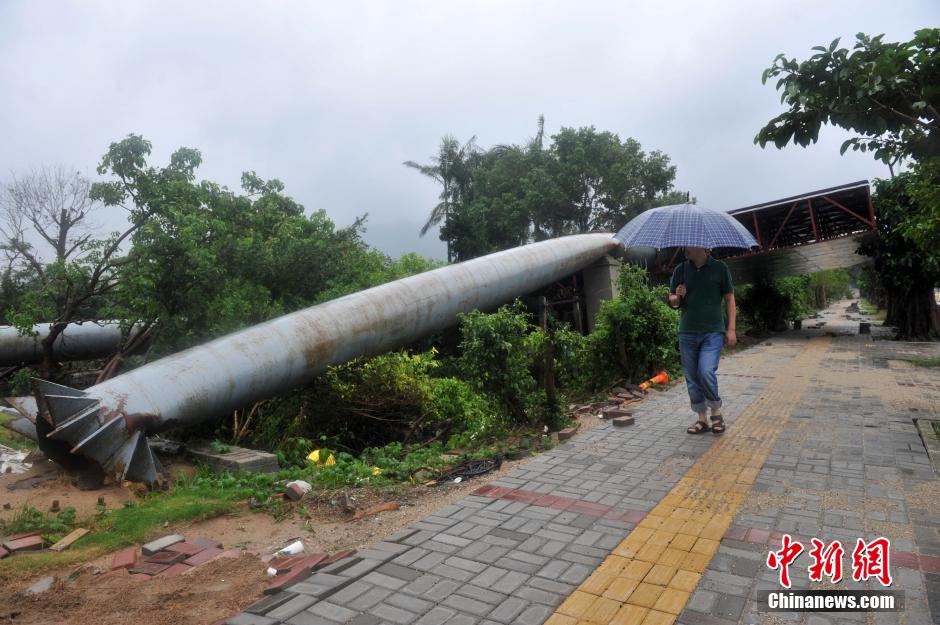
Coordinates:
[518,554]
[650,576]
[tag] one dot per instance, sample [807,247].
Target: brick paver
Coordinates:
[646,524]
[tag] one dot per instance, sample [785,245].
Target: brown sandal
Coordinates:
[718,424]
[699,427]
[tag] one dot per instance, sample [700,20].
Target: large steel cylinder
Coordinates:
[109,421]
[79,341]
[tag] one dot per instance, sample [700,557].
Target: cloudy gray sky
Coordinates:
[331,98]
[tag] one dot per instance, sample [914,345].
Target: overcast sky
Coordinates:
[331,98]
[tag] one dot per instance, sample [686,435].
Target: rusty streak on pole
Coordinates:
[109,422]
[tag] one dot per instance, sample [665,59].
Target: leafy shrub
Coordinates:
[573,361]
[636,333]
[796,290]
[763,306]
[368,402]
[498,352]
[29,519]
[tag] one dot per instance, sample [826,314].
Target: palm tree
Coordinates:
[453,168]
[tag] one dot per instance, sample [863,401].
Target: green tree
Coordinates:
[904,273]
[75,276]
[887,93]
[513,194]
[453,169]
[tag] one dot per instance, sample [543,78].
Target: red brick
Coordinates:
[484,490]
[546,501]
[23,535]
[336,557]
[563,503]
[299,573]
[757,536]
[736,532]
[310,561]
[566,433]
[3,553]
[124,558]
[905,559]
[615,412]
[283,564]
[148,568]
[177,569]
[190,549]
[166,557]
[294,492]
[26,543]
[199,541]
[210,553]
[500,492]
[929,564]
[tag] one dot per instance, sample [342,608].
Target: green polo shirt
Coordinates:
[706,287]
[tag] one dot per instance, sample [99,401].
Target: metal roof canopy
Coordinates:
[829,220]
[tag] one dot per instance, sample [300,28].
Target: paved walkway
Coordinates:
[649,525]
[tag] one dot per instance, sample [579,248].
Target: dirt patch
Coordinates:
[219,589]
[205,595]
[45,482]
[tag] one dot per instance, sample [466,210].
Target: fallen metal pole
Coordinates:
[79,341]
[109,422]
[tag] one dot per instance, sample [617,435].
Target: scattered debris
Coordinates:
[13,460]
[292,549]
[661,377]
[614,412]
[23,542]
[161,543]
[473,468]
[623,421]
[41,586]
[165,447]
[68,540]
[297,489]
[290,570]
[382,507]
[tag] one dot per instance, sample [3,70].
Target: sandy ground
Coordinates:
[87,595]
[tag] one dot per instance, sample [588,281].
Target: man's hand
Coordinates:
[680,290]
[731,339]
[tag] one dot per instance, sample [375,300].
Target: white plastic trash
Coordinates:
[292,549]
[304,486]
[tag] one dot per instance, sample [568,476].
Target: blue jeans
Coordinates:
[700,353]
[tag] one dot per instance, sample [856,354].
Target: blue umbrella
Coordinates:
[684,225]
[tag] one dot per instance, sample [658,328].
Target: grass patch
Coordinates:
[114,529]
[932,362]
[12,439]
[936,428]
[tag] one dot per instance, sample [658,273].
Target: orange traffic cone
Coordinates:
[660,378]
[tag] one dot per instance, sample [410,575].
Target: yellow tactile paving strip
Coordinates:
[649,577]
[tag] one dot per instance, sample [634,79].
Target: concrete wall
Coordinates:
[600,283]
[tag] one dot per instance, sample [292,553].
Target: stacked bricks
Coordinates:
[169,556]
[236,459]
[30,541]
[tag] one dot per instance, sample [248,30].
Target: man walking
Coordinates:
[698,286]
